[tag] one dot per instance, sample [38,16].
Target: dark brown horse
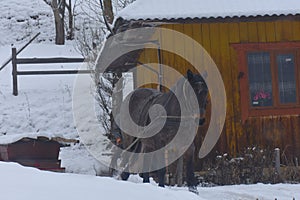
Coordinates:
[165,115]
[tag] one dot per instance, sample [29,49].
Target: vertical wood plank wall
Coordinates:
[265,132]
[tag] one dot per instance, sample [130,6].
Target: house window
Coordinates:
[260,79]
[269,78]
[286,78]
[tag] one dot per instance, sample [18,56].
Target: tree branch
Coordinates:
[48,2]
[105,18]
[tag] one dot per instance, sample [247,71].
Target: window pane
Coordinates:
[286,78]
[260,79]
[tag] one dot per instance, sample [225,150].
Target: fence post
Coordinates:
[14,71]
[277,160]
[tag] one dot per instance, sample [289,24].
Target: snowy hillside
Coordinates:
[44,104]
[44,107]
[20,20]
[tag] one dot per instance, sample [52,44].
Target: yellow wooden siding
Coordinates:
[216,39]
[261,32]
[270,32]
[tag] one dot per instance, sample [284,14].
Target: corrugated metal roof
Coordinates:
[175,9]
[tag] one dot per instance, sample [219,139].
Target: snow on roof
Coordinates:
[175,9]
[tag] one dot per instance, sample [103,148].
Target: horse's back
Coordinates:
[139,103]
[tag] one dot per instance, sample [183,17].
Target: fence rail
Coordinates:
[16,73]
[54,72]
[48,60]
[19,51]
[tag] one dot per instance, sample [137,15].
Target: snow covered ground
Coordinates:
[28,183]
[20,20]
[44,107]
[44,103]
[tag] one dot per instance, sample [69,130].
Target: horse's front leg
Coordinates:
[161,177]
[160,174]
[145,164]
[191,181]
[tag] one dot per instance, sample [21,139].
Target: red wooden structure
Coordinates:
[41,153]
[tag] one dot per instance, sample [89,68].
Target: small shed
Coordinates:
[256,47]
[40,152]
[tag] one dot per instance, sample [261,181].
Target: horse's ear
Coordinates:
[189,75]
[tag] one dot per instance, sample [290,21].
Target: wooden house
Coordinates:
[256,47]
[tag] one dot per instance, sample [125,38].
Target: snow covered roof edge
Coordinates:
[9,139]
[176,9]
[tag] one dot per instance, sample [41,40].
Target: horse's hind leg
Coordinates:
[113,162]
[145,176]
[125,176]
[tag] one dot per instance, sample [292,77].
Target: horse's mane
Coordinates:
[177,88]
[183,90]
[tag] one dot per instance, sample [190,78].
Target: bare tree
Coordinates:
[108,17]
[71,24]
[123,3]
[91,27]
[58,8]
[108,11]
[98,23]
[99,16]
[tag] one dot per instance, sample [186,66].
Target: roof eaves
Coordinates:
[242,18]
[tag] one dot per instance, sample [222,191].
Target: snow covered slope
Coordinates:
[20,20]
[44,104]
[28,183]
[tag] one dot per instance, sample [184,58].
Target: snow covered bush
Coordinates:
[253,165]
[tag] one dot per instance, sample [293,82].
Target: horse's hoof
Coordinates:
[124,176]
[193,189]
[115,173]
[201,121]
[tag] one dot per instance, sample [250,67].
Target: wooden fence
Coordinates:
[16,72]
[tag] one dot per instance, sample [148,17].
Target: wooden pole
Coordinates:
[179,171]
[14,71]
[160,75]
[277,160]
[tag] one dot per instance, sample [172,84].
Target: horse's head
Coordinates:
[200,88]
